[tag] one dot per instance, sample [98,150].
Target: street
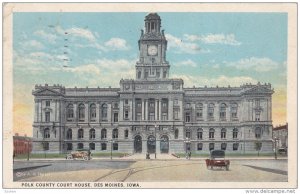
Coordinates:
[105,170]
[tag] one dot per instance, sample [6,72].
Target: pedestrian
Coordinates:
[190,154]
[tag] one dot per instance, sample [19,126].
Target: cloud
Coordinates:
[222,80]
[50,37]
[187,63]
[228,39]
[116,44]
[82,70]
[181,46]
[32,44]
[76,32]
[253,63]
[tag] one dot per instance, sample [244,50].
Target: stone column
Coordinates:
[146,111]
[75,112]
[121,112]
[36,111]
[156,110]
[97,112]
[228,112]
[205,111]
[86,112]
[109,112]
[133,109]
[159,110]
[41,111]
[217,112]
[170,107]
[181,110]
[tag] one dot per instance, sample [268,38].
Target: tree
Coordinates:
[258,146]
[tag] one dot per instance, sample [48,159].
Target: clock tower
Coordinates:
[152,64]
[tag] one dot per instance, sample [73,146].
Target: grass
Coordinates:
[51,155]
[202,155]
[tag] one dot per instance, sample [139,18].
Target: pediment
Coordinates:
[259,90]
[46,92]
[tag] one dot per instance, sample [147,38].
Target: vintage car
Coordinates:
[217,159]
[79,154]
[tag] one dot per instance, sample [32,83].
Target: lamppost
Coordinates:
[111,147]
[186,141]
[27,149]
[275,147]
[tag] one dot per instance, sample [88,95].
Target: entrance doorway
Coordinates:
[151,144]
[164,144]
[138,144]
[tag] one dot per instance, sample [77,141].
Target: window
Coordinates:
[126,114]
[164,104]
[257,103]
[151,116]
[223,133]
[187,105]
[126,101]
[211,110]
[80,133]
[47,117]
[80,146]
[93,113]
[211,133]
[199,133]
[199,115]
[92,134]
[257,116]
[235,146]
[223,146]
[46,133]
[234,108]
[151,104]
[139,104]
[199,146]
[258,132]
[46,145]
[187,117]
[115,134]
[70,112]
[176,114]
[211,146]
[139,74]
[164,74]
[164,116]
[126,134]
[54,133]
[234,133]
[104,111]
[103,146]
[92,146]
[115,146]
[69,134]
[138,116]
[176,134]
[188,134]
[48,103]
[223,111]
[103,133]
[146,74]
[157,73]
[176,101]
[81,112]
[116,117]
[69,146]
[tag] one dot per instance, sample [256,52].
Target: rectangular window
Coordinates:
[47,116]
[257,116]
[139,105]
[126,114]
[151,104]
[199,135]
[187,117]
[103,146]
[164,116]
[176,101]
[176,114]
[138,116]
[126,134]
[116,117]
[223,146]
[126,102]
[257,103]
[48,103]
[199,146]
[46,146]
[235,146]
[211,146]
[199,114]
[115,146]
[188,134]
[151,116]
[164,104]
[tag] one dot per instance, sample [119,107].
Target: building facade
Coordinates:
[153,113]
[22,144]
[280,133]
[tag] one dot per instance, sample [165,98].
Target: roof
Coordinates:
[280,127]
[152,16]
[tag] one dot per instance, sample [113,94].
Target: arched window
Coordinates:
[199,133]
[223,133]
[69,134]
[69,146]
[103,146]
[92,146]
[80,133]
[93,112]
[126,134]
[258,132]
[104,111]
[199,146]
[211,110]
[70,112]
[46,133]
[187,134]
[234,110]
[81,112]
[176,134]
[103,134]
[80,146]
[235,133]
[92,134]
[115,134]
[223,111]
[211,133]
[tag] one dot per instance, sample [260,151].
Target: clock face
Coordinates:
[152,50]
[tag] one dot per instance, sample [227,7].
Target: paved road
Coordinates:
[241,170]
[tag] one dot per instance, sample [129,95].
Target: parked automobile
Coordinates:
[79,154]
[282,151]
[217,159]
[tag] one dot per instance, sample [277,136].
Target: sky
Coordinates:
[98,49]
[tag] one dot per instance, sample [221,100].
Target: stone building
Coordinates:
[280,133]
[153,113]
[22,144]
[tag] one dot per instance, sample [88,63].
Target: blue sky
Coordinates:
[101,48]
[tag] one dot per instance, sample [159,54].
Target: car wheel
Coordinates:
[85,158]
[69,157]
